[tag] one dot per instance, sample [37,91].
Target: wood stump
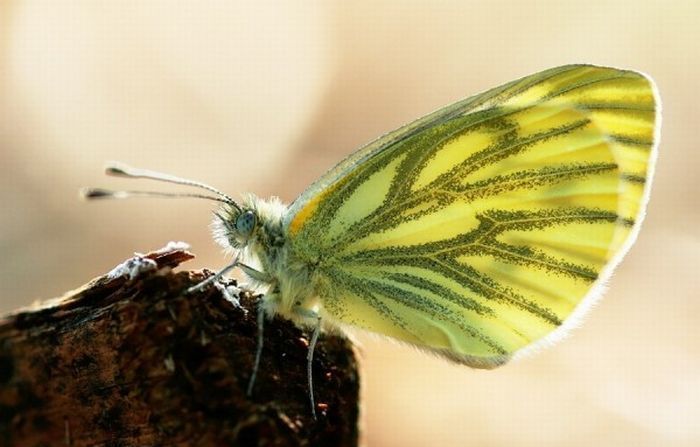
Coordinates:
[129,359]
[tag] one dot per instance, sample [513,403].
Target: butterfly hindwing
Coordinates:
[480,229]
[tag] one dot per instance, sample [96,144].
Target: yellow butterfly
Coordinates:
[479,232]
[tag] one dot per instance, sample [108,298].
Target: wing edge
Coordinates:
[600,286]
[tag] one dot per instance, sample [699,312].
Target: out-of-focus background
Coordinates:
[265,96]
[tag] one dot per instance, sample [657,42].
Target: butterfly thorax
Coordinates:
[285,280]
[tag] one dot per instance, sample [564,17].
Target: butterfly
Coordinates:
[480,232]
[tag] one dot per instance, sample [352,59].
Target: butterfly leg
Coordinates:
[310,360]
[258,350]
[214,280]
[258,276]
[204,284]
[311,316]
[251,272]
[255,274]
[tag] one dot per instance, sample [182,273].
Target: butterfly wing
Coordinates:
[487,226]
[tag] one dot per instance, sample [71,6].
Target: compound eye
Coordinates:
[245,223]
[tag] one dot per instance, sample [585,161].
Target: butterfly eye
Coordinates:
[245,223]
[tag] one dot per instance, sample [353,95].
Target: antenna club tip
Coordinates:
[115,170]
[95,193]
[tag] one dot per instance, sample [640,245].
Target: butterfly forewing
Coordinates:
[479,229]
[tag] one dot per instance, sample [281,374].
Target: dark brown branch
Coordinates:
[127,362]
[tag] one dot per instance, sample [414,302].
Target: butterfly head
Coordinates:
[254,224]
[236,226]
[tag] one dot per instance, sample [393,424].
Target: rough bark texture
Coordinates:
[135,362]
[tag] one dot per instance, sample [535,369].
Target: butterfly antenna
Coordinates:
[99,193]
[122,170]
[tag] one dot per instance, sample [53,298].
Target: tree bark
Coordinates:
[129,359]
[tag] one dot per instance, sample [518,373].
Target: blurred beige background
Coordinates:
[265,96]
